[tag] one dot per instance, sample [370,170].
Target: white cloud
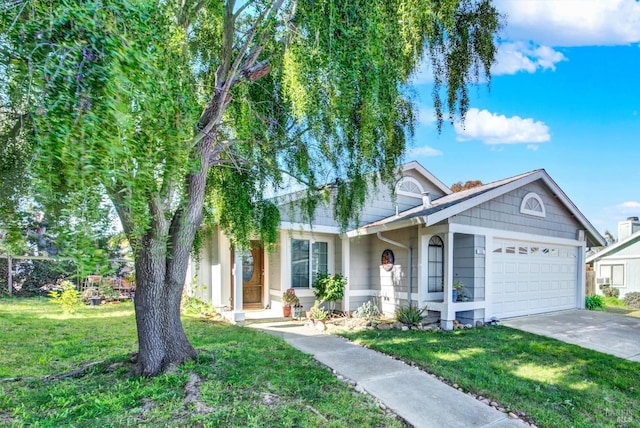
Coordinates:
[513,57]
[573,22]
[493,128]
[424,74]
[629,207]
[423,151]
[533,147]
[426,115]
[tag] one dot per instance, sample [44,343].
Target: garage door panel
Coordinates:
[533,278]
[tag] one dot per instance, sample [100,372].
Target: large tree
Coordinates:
[184,110]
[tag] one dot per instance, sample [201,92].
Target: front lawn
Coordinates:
[242,377]
[617,306]
[555,383]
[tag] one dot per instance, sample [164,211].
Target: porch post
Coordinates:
[448,314]
[346,271]
[238,314]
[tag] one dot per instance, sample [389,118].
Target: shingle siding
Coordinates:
[503,213]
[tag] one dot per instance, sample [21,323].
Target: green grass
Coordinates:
[556,384]
[239,368]
[617,306]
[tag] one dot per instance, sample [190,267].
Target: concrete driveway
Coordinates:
[601,331]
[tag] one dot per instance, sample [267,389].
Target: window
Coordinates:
[307,260]
[532,205]
[436,265]
[615,274]
[409,186]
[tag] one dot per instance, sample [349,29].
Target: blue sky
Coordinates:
[565,96]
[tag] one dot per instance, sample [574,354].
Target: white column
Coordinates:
[448,314]
[238,314]
[582,274]
[346,271]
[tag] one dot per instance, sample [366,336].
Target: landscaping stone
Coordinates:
[479,323]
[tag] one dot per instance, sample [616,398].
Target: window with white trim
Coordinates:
[614,273]
[308,258]
[532,205]
[436,265]
[409,186]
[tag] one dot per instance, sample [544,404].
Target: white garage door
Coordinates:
[531,278]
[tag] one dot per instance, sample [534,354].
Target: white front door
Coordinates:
[531,278]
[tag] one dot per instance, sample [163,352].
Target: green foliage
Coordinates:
[368,310]
[318,313]
[289,297]
[234,363]
[524,372]
[593,302]
[194,306]
[410,315]
[66,296]
[632,299]
[610,291]
[329,288]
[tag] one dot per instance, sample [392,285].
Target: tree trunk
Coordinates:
[161,338]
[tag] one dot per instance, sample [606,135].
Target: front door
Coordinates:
[252,276]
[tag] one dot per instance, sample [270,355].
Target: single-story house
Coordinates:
[517,245]
[618,265]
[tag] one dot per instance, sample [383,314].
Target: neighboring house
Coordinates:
[618,265]
[518,246]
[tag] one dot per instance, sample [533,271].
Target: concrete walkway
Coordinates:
[605,332]
[419,398]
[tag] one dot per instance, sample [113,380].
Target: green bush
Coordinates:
[329,288]
[632,299]
[610,291]
[593,302]
[318,313]
[367,310]
[410,315]
[67,296]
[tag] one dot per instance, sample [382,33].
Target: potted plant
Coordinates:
[458,286]
[289,298]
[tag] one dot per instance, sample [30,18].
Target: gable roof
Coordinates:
[611,249]
[412,165]
[455,203]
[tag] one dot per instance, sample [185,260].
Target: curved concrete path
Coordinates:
[604,332]
[420,399]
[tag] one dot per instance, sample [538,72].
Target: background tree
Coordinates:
[182,110]
[469,184]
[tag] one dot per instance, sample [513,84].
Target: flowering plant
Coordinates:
[289,297]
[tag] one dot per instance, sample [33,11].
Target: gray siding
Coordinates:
[378,204]
[468,267]
[504,213]
[631,250]
[360,264]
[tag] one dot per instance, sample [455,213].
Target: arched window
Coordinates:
[409,186]
[436,265]
[532,205]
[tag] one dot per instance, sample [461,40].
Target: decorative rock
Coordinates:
[479,323]
[384,326]
[405,328]
[468,326]
[360,389]
[513,415]
[382,406]
[455,385]
[320,326]
[494,404]
[352,382]
[502,409]
[485,401]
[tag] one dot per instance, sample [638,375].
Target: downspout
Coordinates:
[406,247]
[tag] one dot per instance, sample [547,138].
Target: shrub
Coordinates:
[410,315]
[593,302]
[67,296]
[318,313]
[632,299]
[610,291]
[329,288]
[367,310]
[195,306]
